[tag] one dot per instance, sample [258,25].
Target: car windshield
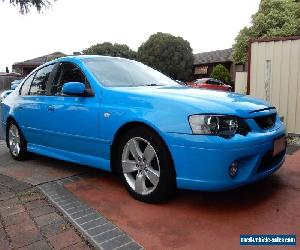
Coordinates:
[119,72]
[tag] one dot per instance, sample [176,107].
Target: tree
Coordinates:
[109,49]
[25,5]
[274,18]
[170,55]
[221,73]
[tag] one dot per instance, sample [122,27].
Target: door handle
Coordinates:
[51,108]
[20,107]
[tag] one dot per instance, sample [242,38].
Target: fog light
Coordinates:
[233,169]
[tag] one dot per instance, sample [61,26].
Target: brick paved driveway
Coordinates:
[191,220]
[200,220]
[29,221]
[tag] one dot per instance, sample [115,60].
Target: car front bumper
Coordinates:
[202,162]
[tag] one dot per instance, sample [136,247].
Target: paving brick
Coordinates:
[66,201]
[15,230]
[18,186]
[108,235]
[6,196]
[4,189]
[101,229]
[17,219]
[4,245]
[55,228]
[130,246]
[76,209]
[78,246]
[63,197]
[39,211]
[64,239]
[82,213]
[93,223]
[7,211]
[36,203]
[73,205]
[39,245]
[5,179]
[116,242]
[88,218]
[47,219]
[2,233]
[10,202]
[32,197]
[26,238]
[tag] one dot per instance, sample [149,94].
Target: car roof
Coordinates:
[78,58]
[83,57]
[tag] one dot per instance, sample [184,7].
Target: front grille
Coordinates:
[266,122]
[269,161]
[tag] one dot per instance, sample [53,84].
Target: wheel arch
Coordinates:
[122,131]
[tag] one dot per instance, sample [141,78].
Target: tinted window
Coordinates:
[214,82]
[26,85]
[122,72]
[38,86]
[67,72]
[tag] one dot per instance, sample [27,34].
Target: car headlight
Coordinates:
[220,125]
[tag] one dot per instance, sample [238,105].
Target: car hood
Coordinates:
[201,100]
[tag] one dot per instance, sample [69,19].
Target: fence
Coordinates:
[241,82]
[275,77]
[5,81]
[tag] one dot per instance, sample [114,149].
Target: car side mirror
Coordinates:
[73,88]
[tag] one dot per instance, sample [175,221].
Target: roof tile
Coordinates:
[213,57]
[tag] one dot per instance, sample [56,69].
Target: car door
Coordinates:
[72,121]
[31,106]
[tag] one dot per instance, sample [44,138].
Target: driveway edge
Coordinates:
[101,232]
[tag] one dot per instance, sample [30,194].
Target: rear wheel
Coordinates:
[145,166]
[16,142]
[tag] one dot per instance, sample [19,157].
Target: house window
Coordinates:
[201,70]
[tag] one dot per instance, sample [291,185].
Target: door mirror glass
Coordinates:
[73,88]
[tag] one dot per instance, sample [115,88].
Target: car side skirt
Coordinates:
[88,160]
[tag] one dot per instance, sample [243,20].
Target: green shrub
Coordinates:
[221,73]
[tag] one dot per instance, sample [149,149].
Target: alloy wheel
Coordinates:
[140,166]
[14,140]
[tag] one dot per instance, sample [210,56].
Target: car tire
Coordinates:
[145,166]
[16,142]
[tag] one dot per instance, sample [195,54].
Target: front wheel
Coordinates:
[16,142]
[146,166]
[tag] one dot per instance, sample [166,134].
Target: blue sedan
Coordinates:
[122,116]
[5,94]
